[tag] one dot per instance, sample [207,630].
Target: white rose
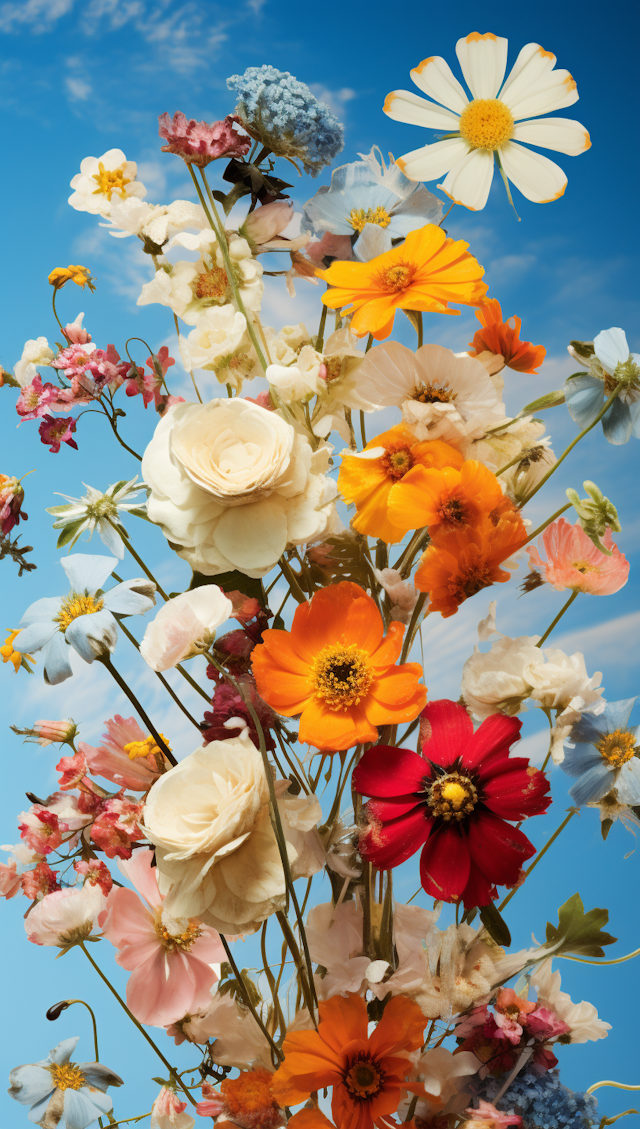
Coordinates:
[104,181]
[293,384]
[498,680]
[557,679]
[185,626]
[35,352]
[217,856]
[219,330]
[233,484]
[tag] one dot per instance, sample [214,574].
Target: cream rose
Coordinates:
[216,853]
[233,484]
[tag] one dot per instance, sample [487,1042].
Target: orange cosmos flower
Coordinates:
[367,1073]
[371,483]
[502,338]
[336,670]
[425,273]
[459,563]
[448,498]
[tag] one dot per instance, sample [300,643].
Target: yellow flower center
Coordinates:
[453,796]
[358,217]
[364,1079]
[211,284]
[453,512]
[618,747]
[341,675]
[396,279]
[67,1077]
[146,748]
[397,461]
[180,941]
[584,567]
[110,181]
[74,606]
[433,394]
[486,123]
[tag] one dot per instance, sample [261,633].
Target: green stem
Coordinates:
[419,327]
[618,960]
[558,617]
[173,1073]
[193,379]
[411,630]
[507,465]
[544,525]
[363,434]
[121,441]
[540,855]
[405,560]
[279,1017]
[290,576]
[128,1120]
[303,975]
[321,327]
[607,404]
[247,999]
[55,313]
[136,705]
[93,1020]
[163,680]
[125,537]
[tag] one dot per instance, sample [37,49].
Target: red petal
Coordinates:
[385,810]
[478,891]
[445,864]
[388,844]
[385,771]
[496,734]
[517,794]
[451,731]
[497,849]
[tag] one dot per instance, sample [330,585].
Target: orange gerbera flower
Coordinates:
[367,1073]
[371,483]
[459,563]
[425,273]
[503,339]
[448,498]
[336,670]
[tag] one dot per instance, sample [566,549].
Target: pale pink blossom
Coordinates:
[73,360]
[37,399]
[198,143]
[54,732]
[239,1040]
[73,810]
[263,226]
[66,916]
[110,760]
[75,332]
[510,1014]
[106,367]
[42,829]
[168,1112]
[41,880]
[10,880]
[118,826]
[263,400]
[185,626]
[170,959]
[330,246]
[573,561]
[95,872]
[212,1103]
[488,1116]
[73,770]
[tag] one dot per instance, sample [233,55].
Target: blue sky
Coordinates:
[80,78]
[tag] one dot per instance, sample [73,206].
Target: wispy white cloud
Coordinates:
[336,100]
[38,16]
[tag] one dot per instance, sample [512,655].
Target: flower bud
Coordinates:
[268,221]
[595,514]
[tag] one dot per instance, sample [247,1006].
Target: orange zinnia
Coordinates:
[425,273]
[447,498]
[336,670]
[367,1073]
[371,483]
[459,563]
[503,339]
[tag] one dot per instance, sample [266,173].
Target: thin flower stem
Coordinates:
[581,434]
[419,328]
[616,1086]
[163,680]
[136,704]
[369,343]
[127,543]
[544,525]
[193,379]
[506,466]
[363,433]
[172,1071]
[618,960]
[290,576]
[247,999]
[121,441]
[558,617]
[405,560]
[127,1120]
[540,855]
[617,1117]
[93,1020]
[413,625]
[303,975]
[279,1017]
[447,213]
[321,327]
[55,313]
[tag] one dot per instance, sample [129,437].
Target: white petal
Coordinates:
[469,181]
[532,63]
[434,77]
[554,90]
[483,59]
[403,106]
[537,178]
[611,348]
[562,134]
[432,161]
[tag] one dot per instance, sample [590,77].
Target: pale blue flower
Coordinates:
[70,1095]
[85,618]
[543,1101]
[604,757]
[585,394]
[370,198]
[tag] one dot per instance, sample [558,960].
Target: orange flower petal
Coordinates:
[342,1020]
[389,650]
[379,713]
[436,453]
[400,1028]
[334,730]
[396,687]
[279,646]
[310,1119]
[341,613]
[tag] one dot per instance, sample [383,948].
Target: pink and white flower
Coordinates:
[41,880]
[95,872]
[574,562]
[198,143]
[73,360]
[185,626]
[10,880]
[488,1116]
[168,1112]
[75,332]
[110,760]
[37,399]
[118,826]
[42,829]
[66,916]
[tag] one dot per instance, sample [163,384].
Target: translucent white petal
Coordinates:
[434,77]
[469,181]
[532,63]
[403,106]
[483,59]
[553,91]
[562,134]
[537,178]
[432,161]
[611,348]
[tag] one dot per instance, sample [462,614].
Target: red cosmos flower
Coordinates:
[453,801]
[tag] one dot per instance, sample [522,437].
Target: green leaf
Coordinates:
[71,532]
[248,988]
[551,400]
[231,582]
[495,925]
[579,932]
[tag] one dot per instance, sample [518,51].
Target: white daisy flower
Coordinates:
[493,123]
[103,181]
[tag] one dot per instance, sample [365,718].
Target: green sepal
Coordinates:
[550,400]
[579,932]
[495,925]
[71,532]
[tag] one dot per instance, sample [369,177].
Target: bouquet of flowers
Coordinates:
[319,764]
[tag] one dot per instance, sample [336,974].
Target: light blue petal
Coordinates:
[628,783]
[592,727]
[62,1053]
[580,759]
[30,1083]
[617,423]
[36,636]
[124,600]
[634,410]
[419,209]
[99,1075]
[372,241]
[112,539]
[46,608]
[593,785]
[82,1107]
[611,348]
[584,396]
[38,1111]
[87,572]
[93,635]
[617,714]
[55,657]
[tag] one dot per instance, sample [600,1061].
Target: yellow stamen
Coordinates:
[617,748]
[397,278]
[342,675]
[146,748]
[433,394]
[486,123]
[358,217]
[212,284]
[110,181]
[67,1077]
[453,796]
[584,567]
[181,941]
[76,605]
[397,461]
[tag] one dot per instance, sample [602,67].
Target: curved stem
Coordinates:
[121,441]
[617,960]
[136,705]
[168,688]
[290,576]
[247,999]
[193,379]
[411,630]
[616,1085]
[540,855]
[55,313]
[544,525]
[558,617]
[127,543]
[93,1020]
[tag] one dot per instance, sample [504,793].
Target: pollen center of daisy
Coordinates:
[363,1079]
[453,796]
[144,748]
[486,123]
[398,278]
[212,284]
[180,942]
[617,748]
[67,1077]
[110,181]
[433,394]
[75,605]
[453,512]
[397,461]
[341,675]
[358,217]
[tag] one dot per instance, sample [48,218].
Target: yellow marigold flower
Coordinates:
[80,275]
[11,655]
[425,273]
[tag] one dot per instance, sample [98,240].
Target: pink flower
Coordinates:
[75,332]
[10,880]
[11,499]
[488,1116]
[263,400]
[574,562]
[262,228]
[73,770]
[545,1024]
[57,431]
[168,1112]
[200,142]
[150,383]
[117,827]
[41,880]
[212,1104]
[73,360]
[331,247]
[36,399]
[170,960]
[65,917]
[95,872]
[110,760]
[106,367]
[41,829]
[54,732]
[510,1015]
